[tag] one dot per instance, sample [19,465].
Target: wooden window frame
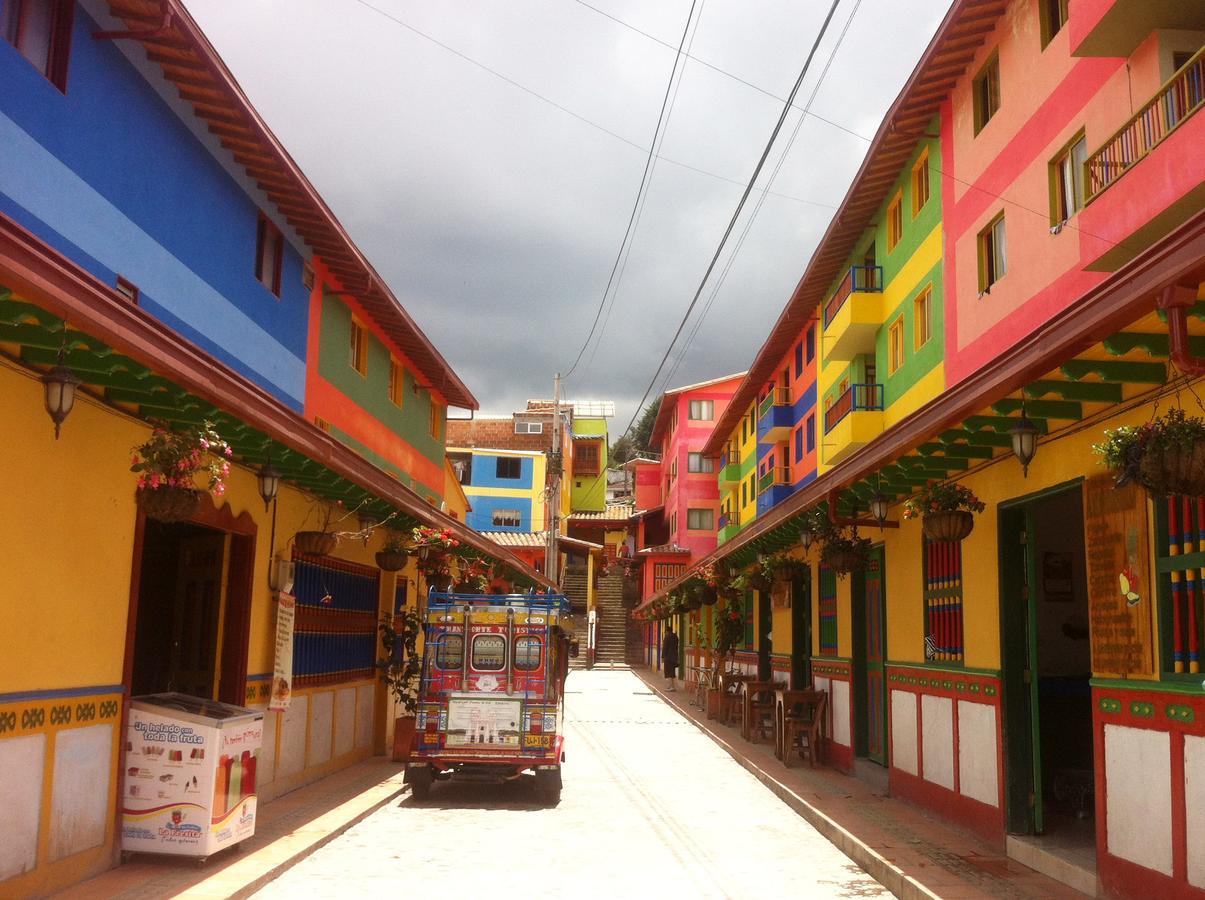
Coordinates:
[987,247]
[508,463]
[705,467]
[920,174]
[985,92]
[129,290]
[810,343]
[1064,161]
[357,356]
[922,303]
[810,426]
[895,220]
[58,49]
[266,230]
[698,511]
[434,417]
[895,362]
[1049,27]
[397,382]
[587,458]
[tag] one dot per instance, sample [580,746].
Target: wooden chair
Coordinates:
[758,719]
[704,680]
[802,720]
[732,701]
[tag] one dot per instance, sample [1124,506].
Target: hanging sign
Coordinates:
[282,669]
[1120,591]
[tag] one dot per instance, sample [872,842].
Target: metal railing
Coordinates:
[729,518]
[779,396]
[773,476]
[859,278]
[1174,103]
[856,397]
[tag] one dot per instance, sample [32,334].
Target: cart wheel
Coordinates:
[419,778]
[548,785]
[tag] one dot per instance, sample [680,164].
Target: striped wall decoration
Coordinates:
[335,638]
[828,611]
[943,601]
[1186,540]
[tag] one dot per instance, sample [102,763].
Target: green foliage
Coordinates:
[729,627]
[1123,448]
[175,458]
[942,497]
[399,664]
[635,442]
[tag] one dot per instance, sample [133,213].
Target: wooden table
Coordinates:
[785,700]
[730,696]
[751,705]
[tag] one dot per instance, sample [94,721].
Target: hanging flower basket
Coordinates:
[760,582]
[948,525]
[168,504]
[439,582]
[1165,455]
[315,543]
[692,601]
[846,554]
[708,595]
[391,560]
[1174,469]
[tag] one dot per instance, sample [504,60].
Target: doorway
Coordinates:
[190,609]
[765,640]
[870,657]
[1047,668]
[801,631]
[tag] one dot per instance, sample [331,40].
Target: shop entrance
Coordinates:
[190,611]
[801,631]
[1046,671]
[870,656]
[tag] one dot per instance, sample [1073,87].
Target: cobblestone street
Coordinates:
[650,806]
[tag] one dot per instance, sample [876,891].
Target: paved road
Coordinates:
[650,808]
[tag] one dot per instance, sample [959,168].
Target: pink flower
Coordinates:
[154,480]
[225,468]
[142,481]
[204,444]
[229,453]
[219,489]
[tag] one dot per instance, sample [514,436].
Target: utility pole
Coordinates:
[552,554]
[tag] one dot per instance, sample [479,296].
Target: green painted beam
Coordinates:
[1001,424]
[1087,391]
[1119,370]
[1042,409]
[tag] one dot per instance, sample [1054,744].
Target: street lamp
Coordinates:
[806,536]
[269,483]
[878,508]
[1025,440]
[59,385]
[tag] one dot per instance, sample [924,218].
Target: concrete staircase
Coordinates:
[612,650]
[575,588]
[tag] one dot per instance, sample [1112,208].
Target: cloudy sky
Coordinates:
[496,214]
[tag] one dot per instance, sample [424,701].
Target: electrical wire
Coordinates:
[566,110]
[739,207]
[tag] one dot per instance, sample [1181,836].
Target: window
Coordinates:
[322,425]
[799,359]
[449,652]
[358,347]
[1054,17]
[269,253]
[127,289]
[673,524]
[920,183]
[700,519]
[673,470]
[506,518]
[986,92]
[697,462]
[528,651]
[508,467]
[895,346]
[434,426]
[993,260]
[586,458]
[744,493]
[811,343]
[922,317]
[397,382]
[798,444]
[1067,181]
[895,221]
[811,430]
[528,426]
[489,652]
[41,32]
[701,410]
[307,274]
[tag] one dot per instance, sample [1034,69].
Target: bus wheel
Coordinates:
[548,785]
[419,778]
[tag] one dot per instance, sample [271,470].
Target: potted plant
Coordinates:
[431,546]
[392,557]
[1165,455]
[323,541]
[946,510]
[170,464]
[400,667]
[729,634]
[761,579]
[713,581]
[474,576]
[845,553]
[786,568]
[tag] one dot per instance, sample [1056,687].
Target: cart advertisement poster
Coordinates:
[282,669]
[482,722]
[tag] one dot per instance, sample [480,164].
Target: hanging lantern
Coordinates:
[1025,441]
[878,508]
[806,536]
[59,385]
[269,483]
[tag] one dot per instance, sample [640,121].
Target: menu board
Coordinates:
[1120,590]
[282,668]
[483,722]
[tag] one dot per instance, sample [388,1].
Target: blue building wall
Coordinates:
[804,405]
[485,472]
[110,176]
[481,515]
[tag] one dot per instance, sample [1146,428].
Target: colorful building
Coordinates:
[158,244]
[507,488]
[1004,680]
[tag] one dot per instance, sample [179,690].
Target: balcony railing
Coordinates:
[729,518]
[856,397]
[779,396]
[859,278]
[1175,102]
[771,477]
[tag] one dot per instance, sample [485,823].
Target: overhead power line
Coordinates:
[782,117]
[644,177]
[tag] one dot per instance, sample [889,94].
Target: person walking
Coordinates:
[669,655]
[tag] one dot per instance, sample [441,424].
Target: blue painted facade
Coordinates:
[485,473]
[788,417]
[109,174]
[481,516]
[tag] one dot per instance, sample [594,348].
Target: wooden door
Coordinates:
[876,659]
[801,632]
[193,653]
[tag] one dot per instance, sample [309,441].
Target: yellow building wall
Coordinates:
[747,450]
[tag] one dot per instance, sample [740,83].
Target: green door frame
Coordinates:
[765,622]
[801,631]
[1024,813]
[866,670]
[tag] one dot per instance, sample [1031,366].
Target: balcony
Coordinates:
[773,486]
[1171,107]
[853,314]
[730,524]
[853,421]
[775,418]
[1117,27]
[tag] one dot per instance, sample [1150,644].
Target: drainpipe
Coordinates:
[163,29]
[1176,300]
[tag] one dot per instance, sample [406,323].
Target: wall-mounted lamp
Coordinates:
[1025,440]
[59,385]
[878,508]
[806,536]
[269,483]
